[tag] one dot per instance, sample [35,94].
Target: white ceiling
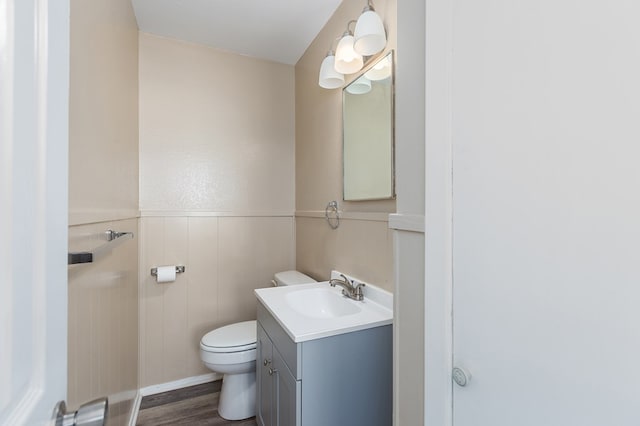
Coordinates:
[278,30]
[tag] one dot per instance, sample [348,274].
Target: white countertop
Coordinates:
[375,310]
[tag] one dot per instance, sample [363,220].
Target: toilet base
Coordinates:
[238,396]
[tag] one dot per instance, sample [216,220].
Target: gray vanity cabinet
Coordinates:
[343,380]
[278,391]
[264,383]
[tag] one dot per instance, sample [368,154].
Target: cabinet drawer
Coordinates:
[288,349]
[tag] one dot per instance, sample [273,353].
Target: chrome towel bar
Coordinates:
[113,239]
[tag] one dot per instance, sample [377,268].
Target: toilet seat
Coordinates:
[238,337]
[231,350]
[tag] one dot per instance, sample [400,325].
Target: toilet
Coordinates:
[231,350]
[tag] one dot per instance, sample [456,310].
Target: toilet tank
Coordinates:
[291,278]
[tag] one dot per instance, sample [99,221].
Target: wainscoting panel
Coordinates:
[226,258]
[103,321]
[361,248]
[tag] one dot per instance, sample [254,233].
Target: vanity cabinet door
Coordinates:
[264,380]
[288,393]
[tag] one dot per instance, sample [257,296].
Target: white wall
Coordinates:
[34,133]
[535,111]
[438,213]
[408,223]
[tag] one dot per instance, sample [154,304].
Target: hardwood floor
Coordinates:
[195,405]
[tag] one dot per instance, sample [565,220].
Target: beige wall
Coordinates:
[103,119]
[103,194]
[216,194]
[319,169]
[216,130]
[369,244]
[226,258]
[103,321]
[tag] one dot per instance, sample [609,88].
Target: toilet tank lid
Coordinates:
[293,278]
[232,335]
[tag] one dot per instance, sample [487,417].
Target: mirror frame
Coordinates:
[371,62]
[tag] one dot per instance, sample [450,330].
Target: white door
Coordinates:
[546,212]
[33,208]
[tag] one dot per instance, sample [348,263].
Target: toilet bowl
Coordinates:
[231,350]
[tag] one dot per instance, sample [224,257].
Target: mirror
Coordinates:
[367,129]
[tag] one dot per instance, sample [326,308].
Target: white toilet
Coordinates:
[231,350]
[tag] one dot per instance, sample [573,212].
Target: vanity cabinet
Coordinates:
[278,390]
[341,380]
[264,378]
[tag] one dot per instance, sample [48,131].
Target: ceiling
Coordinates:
[277,30]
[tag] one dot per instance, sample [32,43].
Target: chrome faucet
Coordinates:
[348,289]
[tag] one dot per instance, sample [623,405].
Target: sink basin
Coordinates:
[320,303]
[313,311]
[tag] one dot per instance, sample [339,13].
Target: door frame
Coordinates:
[438,303]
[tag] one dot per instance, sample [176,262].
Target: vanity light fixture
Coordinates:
[368,39]
[347,60]
[369,35]
[329,78]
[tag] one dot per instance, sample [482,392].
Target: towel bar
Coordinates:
[113,239]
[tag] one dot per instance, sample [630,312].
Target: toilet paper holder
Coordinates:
[179,269]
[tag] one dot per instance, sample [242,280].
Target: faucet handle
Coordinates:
[358,291]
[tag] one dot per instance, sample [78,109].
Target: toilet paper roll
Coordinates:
[166,274]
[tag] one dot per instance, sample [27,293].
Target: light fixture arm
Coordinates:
[369,6]
[332,50]
[348,30]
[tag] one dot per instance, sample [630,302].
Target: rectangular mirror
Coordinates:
[368,135]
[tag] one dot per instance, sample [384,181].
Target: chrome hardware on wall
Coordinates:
[332,207]
[113,240]
[179,269]
[92,413]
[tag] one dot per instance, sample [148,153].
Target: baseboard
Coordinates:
[179,384]
[119,397]
[135,408]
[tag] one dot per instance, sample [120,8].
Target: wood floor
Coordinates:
[195,405]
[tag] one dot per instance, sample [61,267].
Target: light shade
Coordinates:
[381,70]
[360,86]
[369,36]
[348,60]
[329,78]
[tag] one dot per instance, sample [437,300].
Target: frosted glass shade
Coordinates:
[380,71]
[348,60]
[369,36]
[329,78]
[360,86]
